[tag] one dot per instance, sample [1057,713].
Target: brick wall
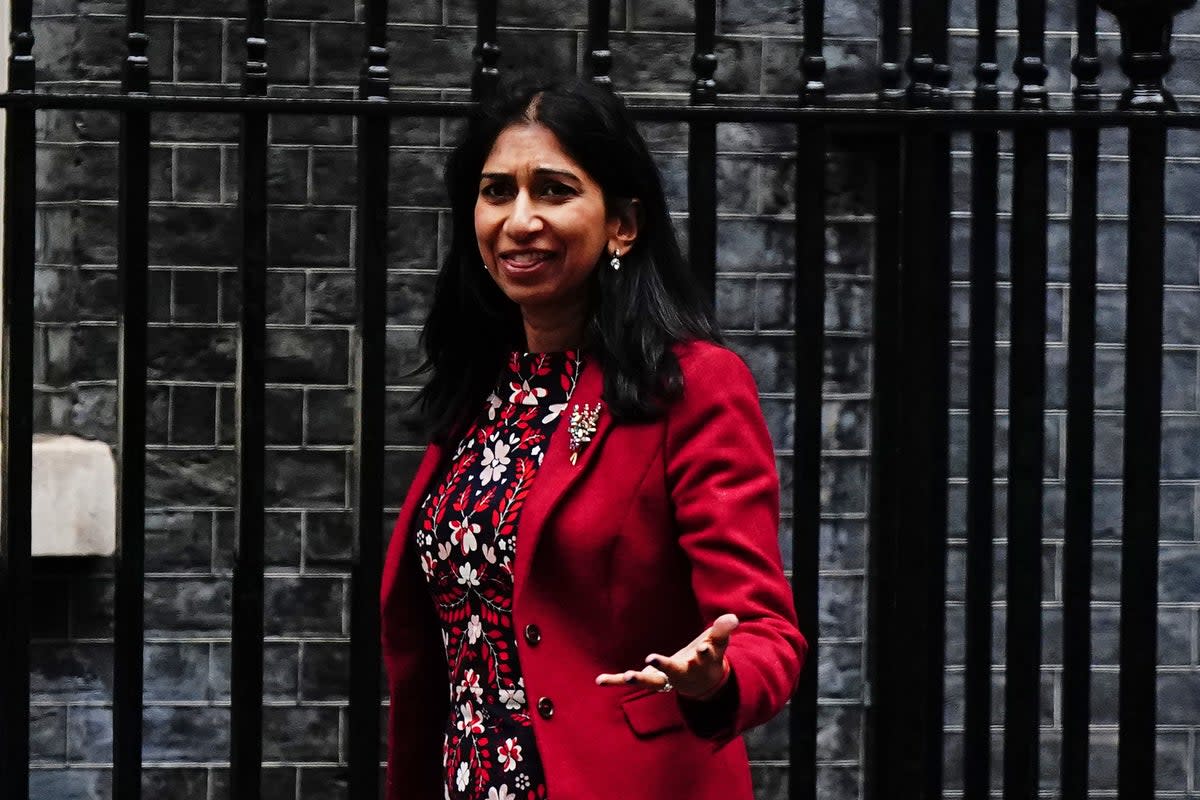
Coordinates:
[315,49]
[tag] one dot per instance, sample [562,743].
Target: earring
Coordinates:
[616,260]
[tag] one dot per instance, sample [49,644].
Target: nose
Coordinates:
[523,219]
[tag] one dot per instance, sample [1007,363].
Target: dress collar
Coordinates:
[539,379]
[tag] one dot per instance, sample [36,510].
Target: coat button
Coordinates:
[533,634]
[545,707]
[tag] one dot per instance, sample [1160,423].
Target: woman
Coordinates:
[583,595]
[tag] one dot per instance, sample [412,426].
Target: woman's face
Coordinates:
[540,221]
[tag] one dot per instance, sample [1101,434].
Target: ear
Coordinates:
[624,222]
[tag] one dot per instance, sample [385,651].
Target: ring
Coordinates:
[666,687]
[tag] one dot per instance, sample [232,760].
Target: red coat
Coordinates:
[659,528]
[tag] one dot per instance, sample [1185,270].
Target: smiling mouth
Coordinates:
[525,260]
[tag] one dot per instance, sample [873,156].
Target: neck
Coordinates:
[552,330]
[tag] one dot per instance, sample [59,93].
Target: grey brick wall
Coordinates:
[315,48]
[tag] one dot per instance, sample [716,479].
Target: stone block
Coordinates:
[307,479]
[409,296]
[337,54]
[325,671]
[735,303]
[289,48]
[840,671]
[840,606]
[297,355]
[193,236]
[198,57]
[73,503]
[330,416]
[1180,448]
[185,733]
[288,174]
[413,240]
[284,425]
[315,129]
[341,10]
[178,541]
[176,671]
[334,176]
[194,296]
[286,301]
[331,298]
[329,538]
[437,57]
[196,477]
[309,237]
[304,733]
[325,782]
[197,607]
[47,734]
[71,784]
[176,783]
[89,735]
[71,672]
[771,782]
[759,17]
[403,355]
[197,172]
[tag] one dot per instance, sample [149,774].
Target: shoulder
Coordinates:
[708,364]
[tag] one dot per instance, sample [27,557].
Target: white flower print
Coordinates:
[555,409]
[494,402]
[470,683]
[468,576]
[464,531]
[444,550]
[525,395]
[495,461]
[489,553]
[509,754]
[513,698]
[501,794]
[464,776]
[471,720]
[521,781]
[474,629]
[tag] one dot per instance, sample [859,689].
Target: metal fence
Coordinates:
[908,127]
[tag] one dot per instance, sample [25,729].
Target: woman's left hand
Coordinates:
[696,670]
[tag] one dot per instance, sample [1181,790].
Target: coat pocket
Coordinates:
[652,713]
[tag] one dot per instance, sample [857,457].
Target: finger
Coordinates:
[674,667]
[649,678]
[721,630]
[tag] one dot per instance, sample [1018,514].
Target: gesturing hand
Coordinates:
[696,670]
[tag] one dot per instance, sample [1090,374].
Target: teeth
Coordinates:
[525,259]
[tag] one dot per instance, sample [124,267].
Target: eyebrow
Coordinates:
[541,171]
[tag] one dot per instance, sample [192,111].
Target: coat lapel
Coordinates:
[407,516]
[557,474]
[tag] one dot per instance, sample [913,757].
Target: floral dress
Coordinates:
[467,541]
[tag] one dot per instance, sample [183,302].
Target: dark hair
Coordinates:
[637,313]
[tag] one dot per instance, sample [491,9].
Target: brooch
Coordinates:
[582,426]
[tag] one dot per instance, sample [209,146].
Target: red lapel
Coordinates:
[404,521]
[557,474]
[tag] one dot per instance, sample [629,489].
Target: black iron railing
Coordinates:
[910,125]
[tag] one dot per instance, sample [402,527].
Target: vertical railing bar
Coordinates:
[981,403]
[891,73]
[1081,372]
[16,411]
[247,650]
[938,430]
[1145,59]
[702,155]
[132,263]
[884,629]
[886,427]
[487,51]
[809,354]
[369,357]
[599,56]
[1026,407]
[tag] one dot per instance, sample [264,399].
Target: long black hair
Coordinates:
[636,313]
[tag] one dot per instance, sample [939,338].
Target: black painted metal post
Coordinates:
[16,411]
[1145,40]
[883,630]
[131,526]
[809,346]
[487,51]
[981,403]
[702,156]
[599,57]
[1027,388]
[247,650]
[1081,371]
[370,340]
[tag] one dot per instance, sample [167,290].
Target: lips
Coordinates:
[521,261]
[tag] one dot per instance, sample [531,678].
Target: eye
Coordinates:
[495,190]
[557,190]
